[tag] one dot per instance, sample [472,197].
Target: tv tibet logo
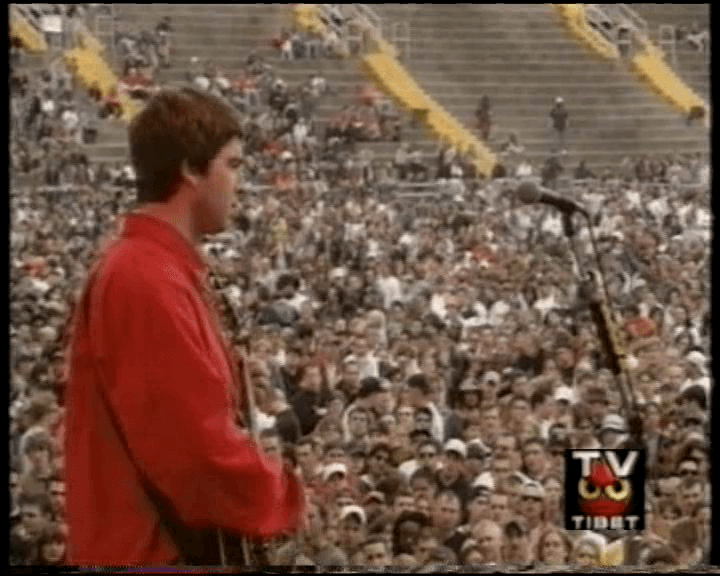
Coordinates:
[605,490]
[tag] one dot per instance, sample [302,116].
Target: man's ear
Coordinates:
[189,174]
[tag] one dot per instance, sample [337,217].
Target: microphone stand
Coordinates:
[600,313]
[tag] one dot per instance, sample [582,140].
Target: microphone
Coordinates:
[531,193]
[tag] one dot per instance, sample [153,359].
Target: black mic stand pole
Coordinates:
[600,313]
[634,419]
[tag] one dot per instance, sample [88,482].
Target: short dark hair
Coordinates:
[269,433]
[40,499]
[695,393]
[581,412]
[309,440]
[425,473]
[449,493]
[533,440]
[420,382]
[37,441]
[688,482]
[177,126]
[539,396]
[375,448]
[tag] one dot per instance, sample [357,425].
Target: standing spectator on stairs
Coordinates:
[697,38]
[163,32]
[559,122]
[484,117]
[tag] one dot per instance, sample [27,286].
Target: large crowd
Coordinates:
[423,365]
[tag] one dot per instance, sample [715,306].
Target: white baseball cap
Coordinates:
[565,393]
[457,446]
[484,480]
[615,423]
[334,468]
[353,509]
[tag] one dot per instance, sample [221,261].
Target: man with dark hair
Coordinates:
[691,494]
[406,530]
[420,396]
[519,414]
[35,515]
[56,491]
[358,425]
[308,461]
[376,550]
[271,442]
[423,483]
[427,454]
[154,395]
[516,548]
[314,543]
[534,457]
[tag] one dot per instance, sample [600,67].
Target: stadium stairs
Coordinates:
[516,54]
[36,56]
[693,67]
[649,62]
[226,35]
[23,29]
[519,56]
[380,60]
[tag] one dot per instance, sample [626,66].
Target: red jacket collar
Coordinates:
[143,225]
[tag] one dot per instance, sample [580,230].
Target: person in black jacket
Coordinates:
[310,401]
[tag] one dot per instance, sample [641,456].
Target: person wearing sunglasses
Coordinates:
[426,455]
[378,465]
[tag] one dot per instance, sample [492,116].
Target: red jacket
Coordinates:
[145,336]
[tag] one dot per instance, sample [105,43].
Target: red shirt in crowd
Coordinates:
[145,336]
[640,327]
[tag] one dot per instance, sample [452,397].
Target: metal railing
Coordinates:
[637,22]
[28,15]
[666,41]
[104,28]
[366,12]
[401,39]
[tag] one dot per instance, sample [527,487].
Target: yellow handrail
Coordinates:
[393,79]
[32,39]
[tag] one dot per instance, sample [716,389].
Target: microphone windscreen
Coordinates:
[528,193]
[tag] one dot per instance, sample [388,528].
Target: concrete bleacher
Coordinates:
[517,54]
[692,66]
[521,58]
[226,35]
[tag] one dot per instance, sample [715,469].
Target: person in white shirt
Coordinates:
[286,49]
[300,132]
[71,120]
[524,169]
[202,82]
